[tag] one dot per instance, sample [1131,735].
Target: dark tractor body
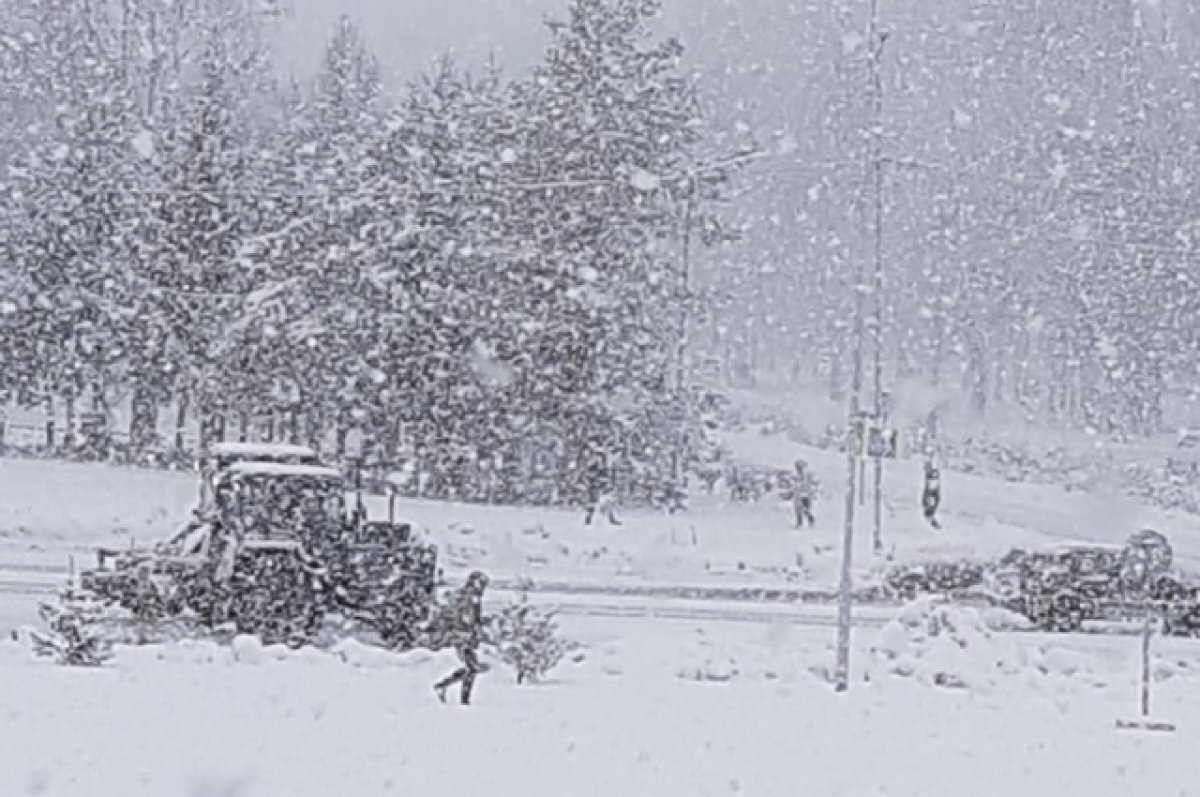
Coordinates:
[273,553]
[1058,590]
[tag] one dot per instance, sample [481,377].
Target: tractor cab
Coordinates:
[268,502]
[222,456]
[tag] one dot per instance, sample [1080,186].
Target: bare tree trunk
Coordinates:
[940,325]
[143,418]
[183,400]
[836,393]
[978,376]
[69,424]
[339,444]
[49,404]
[314,428]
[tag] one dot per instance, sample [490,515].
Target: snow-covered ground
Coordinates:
[724,700]
[654,709]
[51,511]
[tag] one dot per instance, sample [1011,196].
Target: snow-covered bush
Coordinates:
[74,632]
[528,640]
[946,645]
[715,663]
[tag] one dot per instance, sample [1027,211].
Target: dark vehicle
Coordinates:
[1177,603]
[1057,590]
[1060,590]
[934,578]
[273,553]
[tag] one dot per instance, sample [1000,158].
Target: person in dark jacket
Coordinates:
[931,495]
[598,485]
[463,629]
[804,493]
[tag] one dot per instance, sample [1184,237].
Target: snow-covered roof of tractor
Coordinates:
[1085,547]
[284,469]
[261,449]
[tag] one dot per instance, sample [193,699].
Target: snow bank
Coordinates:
[944,645]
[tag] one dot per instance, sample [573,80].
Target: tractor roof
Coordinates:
[284,469]
[1085,547]
[261,450]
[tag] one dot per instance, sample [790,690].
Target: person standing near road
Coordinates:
[804,493]
[462,628]
[598,487]
[931,495]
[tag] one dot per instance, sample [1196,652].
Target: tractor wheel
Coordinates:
[279,604]
[1066,612]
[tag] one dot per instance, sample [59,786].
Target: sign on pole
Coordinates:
[1147,556]
[879,442]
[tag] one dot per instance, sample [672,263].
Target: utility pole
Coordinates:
[855,420]
[875,41]
[683,395]
[853,433]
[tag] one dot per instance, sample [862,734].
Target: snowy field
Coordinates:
[702,697]
[655,709]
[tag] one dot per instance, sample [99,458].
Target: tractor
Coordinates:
[273,552]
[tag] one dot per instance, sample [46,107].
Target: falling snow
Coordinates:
[594,290]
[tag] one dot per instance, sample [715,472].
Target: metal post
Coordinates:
[846,579]
[1147,630]
[876,40]
[845,583]
[862,481]
[681,386]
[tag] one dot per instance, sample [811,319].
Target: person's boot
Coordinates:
[441,686]
[466,691]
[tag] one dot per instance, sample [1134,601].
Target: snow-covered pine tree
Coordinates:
[528,640]
[187,266]
[301,333]
[69,203]
[611,179]
[446,253]
[211,196]
[74,634]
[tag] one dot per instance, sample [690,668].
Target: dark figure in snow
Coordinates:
[598,485]
[463,629]
[931,496]
[804,494]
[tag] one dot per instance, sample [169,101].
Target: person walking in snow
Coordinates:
[598,486]
[931,495]
[804,493]
[461,626]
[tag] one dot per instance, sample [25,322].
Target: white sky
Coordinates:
[407,35]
